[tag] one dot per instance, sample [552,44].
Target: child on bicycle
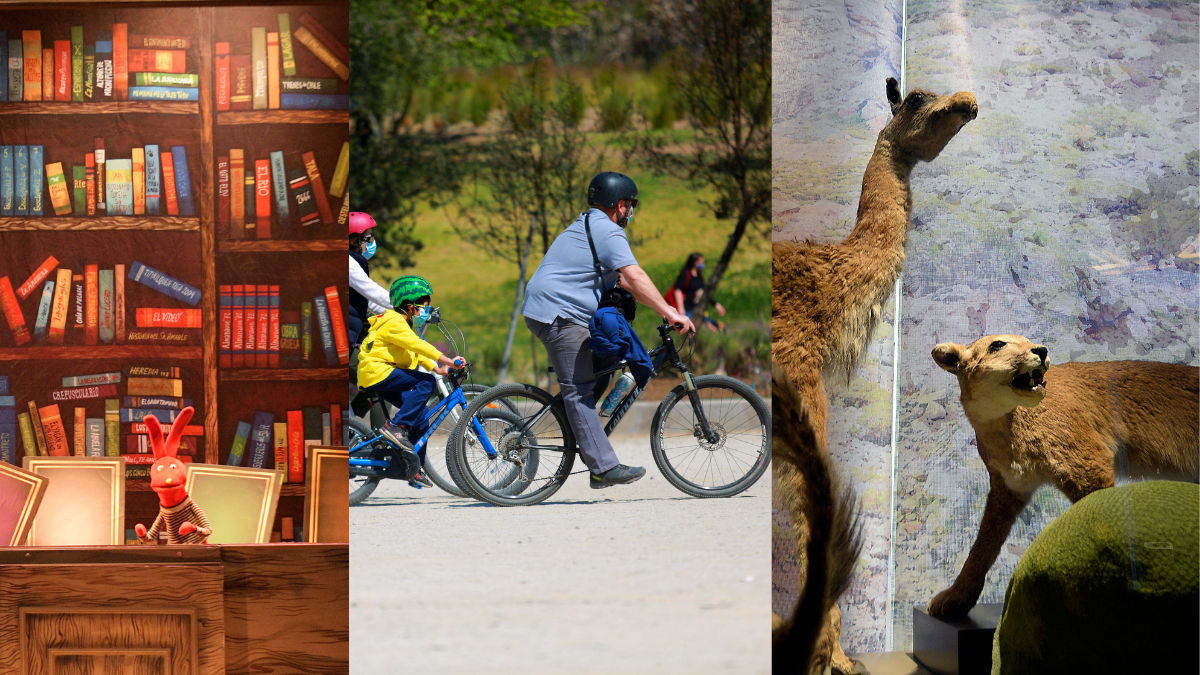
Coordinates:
[389,356]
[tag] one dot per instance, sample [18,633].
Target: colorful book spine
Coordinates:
[225,317]
[79,438]
[341,173]
[341,339]
[289,336]
[36,167]
[326,429]
[139,448]
[104,66]
[223,82]
[237,197]
[153,181]
[258,56]
[189,430]
[308,85]
[91,281]
[161,336]
[28,442]
[164,284]
[139,93]
[312,427]
[16,71]
[21,166]
[77,63]
[95,437]
[262,198]
[162,402]
[8,181]
[40,274]
[55,432]
[39,434]
[326,329]
[314,179]
[112,427]
[100,192]
[173,80]
[89,72]
[140,414]
[295,425]
[262,355]
[306,342]
[154,386]
[172,373]
[8,425]
[79,315]
[306,203]
[47,74]
[260,444]
[119,302]
[32,42]
[183,181]
[153,317]
[273,328]
[62,70]
[118,181]
[79,194]
[91,380]
[58,310]
[321,33]
[314,101]
[239,444]
[306,38]
[139,181]
[280,189]
[12,313]
[3,65]
[241,95]
[238,318]
[108,328]
[160,42]
[273,71]
[122,60]
[222,192]
[251,197]
[286,52]
[279,438]
[169,194]
[251,312]
[42,323]
[56,182]
[90,177]
[158,60]
[4,386]
[84,393]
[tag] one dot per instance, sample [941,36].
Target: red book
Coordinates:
[262,197]
[12,312]
[335,424]
[226,318]
[168,169]
[239,327]
[122,61]
[190,430]
[295,426]
[90,161]
[223,195]
[318,188]
[241,97]
[331,43]
[154,317]
[62,70]
[340,339]
[39,275]
[273,336]
[262,355]
[91,294]
[152,61]
[223,76]
[56,433]
[251,311]
[81,393]
[138,456]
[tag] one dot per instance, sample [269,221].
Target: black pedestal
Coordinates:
[956,646]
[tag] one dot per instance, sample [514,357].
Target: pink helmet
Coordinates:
[360,222]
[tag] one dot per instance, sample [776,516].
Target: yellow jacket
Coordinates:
[392,343]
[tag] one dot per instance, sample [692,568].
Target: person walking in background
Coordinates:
[689,287]
[367,298]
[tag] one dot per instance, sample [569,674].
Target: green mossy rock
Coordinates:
[1111,586]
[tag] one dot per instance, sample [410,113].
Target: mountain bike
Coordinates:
[710,437]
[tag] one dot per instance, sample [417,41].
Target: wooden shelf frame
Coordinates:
[282,374]
[99,108]
[79,353]
[246,117]
[280,245]
[83,224]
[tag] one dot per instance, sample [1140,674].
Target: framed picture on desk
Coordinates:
[84,503]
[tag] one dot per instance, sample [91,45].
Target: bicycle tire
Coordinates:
[546,477]
[362,489]
[441,477]
[673,463]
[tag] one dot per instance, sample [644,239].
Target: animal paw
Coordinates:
[951,604]
[140,530]
[186,528]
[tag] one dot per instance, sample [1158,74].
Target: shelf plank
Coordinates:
[76,353]
[156,223]
[143,485]
[99,108]
[282,245]
[275,374]
[292,490]
[283,117]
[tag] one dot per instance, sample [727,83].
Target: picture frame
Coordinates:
[238,501]
[326,501]
[21,494]
[84,502]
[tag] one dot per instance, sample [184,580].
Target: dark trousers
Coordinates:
[409,392]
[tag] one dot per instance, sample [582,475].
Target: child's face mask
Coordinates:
[420,315]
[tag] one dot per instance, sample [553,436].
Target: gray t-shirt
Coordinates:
[565,284]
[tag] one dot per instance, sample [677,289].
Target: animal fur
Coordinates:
[1064,425]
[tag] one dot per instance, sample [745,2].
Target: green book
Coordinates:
[286,54]
[79,175]
[112,427]
[166,80]
[306,313]
[76,63]
[89,72]
[238,449]
[258,67]
[27,435]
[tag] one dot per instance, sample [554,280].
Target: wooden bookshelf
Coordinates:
[99,108]
[283,117]
[278,246]
[120,352]
[283,374]
[77,224]
[143,485]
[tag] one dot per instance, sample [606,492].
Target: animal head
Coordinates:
[996,374]
[168,475]
[924,122]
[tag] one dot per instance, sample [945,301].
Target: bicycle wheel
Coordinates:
[436,446]
[542,454]
[361,487]
[731,464]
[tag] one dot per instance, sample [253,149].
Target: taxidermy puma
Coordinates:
[1064,425]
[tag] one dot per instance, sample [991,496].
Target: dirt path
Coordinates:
[631,579]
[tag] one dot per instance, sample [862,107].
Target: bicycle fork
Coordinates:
[689,383]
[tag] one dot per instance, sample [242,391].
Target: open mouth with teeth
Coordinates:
[1031,381]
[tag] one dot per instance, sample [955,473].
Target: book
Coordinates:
[296,447]
[237,197]
[302,194]
[140,414]
[223,82]
[289,336]
[183,181]
[16,71]
[158,60]
[153,317]
[239,444]
[101,194]
[8,425]
[89,72]
[162,402]
[4,65]
[58,309]
[160,42]
[154,386]
[341,173]
[99,379]
[42,322]
[139,444]
[54,431]
[169,195]
[79,313]
[287,53]
[25,424]
[306,38]
[153,181]
[60,199]
[79,194]
[262,198]
[84,393]
[241,95]
[162,336]
[21,172]
[279,438]
[4,386]
[314,179]
[250,191]
[170,373]
[325,327]
[263,323]
[118,180]
[8,181]
[104,66]
[79,438]
[279,186]
[189,430]
[306,312]
[314,102]
[326,429]
[335,417]
[273,328]
[223,192]
[238,327]
[39,275]
[90,177]
[119,302]
[260,439]
[36,166]
[108,329]
[258,55]
[225,318]
[164,283]
[47,74]
[38,433]
[141,93]
[95,437]
[139,181]
[122,60]
[273,71]
[308,85]
[341,339]
[250,309]
[142,453]
[312,428]
[112,427]
[91,295]
[31,41]
[174,80]
[12,313]
[62,70]
[77,63]
[321,33]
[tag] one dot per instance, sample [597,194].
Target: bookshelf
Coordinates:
[196,250]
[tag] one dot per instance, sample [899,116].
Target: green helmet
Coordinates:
[408,289]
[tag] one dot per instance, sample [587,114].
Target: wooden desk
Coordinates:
[175,610]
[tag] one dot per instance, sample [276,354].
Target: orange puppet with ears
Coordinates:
[178,516]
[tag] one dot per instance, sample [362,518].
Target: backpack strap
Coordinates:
[595,258]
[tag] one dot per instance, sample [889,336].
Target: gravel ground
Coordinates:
[632,579]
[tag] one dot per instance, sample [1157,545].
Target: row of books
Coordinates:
[264,442]
[254,193]
[147,183]
[256,334]
[116,66]
[266,78]
[93,302]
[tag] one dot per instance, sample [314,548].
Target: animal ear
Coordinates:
[893,93]
[156,437]
[948,355]
[185,416]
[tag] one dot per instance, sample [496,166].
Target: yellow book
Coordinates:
[139,181]
[31,43]
[56,182]
[58,307]
[273,71]
[80,432]
[281,448]
[47,74]
[341,173]
[308,40]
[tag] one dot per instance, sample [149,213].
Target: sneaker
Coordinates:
[420,480]
[618,475]
[395,434]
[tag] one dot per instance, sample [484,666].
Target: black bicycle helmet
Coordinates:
[610,187]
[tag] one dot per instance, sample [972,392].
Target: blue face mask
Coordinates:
[419,316]
[699,267]
[369,251]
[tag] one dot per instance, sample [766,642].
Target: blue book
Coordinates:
[118,187]
[279,182]
[153,181]
[260,441]
[163,402]
[3,66]
[164,284]
[8,429]
[7,182]
[140,414]
[3,385]
[164,94]
[43,313]
[314,102]
[21,171]
[239,444]
[16,71]
[326,329]
[94,447]
[183,182]
[36,170]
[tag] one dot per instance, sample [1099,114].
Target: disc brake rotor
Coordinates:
[704,443]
